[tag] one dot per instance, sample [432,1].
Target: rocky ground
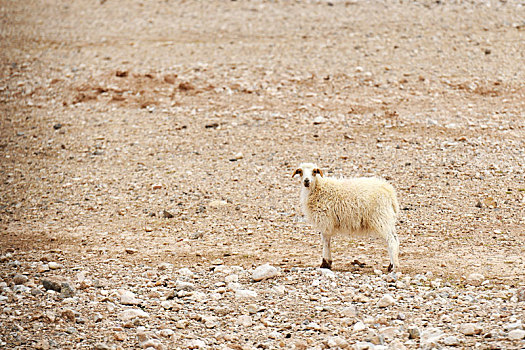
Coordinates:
[146,158]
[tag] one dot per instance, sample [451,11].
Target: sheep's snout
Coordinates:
[306,182]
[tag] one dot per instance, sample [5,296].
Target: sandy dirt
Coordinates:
[113,113]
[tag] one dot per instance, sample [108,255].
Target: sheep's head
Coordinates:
[308,173]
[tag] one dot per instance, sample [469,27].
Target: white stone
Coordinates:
[388,332]
[396,344]
[185,272]
[181,285]
[517,334]
[337,342]
[359,326]
[128,298]
[231,278]
[244,320]
[431,336]
[54,265]
[245,294]
[349,311]
[130,314]
[451,340]
[386,300]
[166,332]
[264,272]
[469,328]
[475,279]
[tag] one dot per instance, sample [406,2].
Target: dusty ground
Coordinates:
[113,112]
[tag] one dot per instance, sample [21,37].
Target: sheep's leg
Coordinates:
[393,250]
[327,255]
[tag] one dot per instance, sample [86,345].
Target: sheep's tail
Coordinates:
[393,197]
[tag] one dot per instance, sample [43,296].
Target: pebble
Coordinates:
[337,342]
[469,329]
[349,311]
[128,298]
[130,314]
[181,285]
[450,340]
[431,336]
[20,279]
[516,334]
[475,279]
[263,272]
[66,290]
[245,294]
[54,265]
[244,320]
[51,285]
[386,300]
[359,326]
[413,332]
[396,344]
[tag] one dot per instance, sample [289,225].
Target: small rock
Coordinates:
[350,311]
[101,346]
[244,320]
[20,279]
[195,344]
[396,344]
[152,343]
[337,342]
[130,314]
[57,126]
[54,265]
[319,120]
[128,298]
[263,272]
[97,317]
[166,332]
[185,272]
[430,337]
[245,294]
[181,285]
[413,332]
[475,279]
[216,204]
[167,215]
[517,334]
[469,329]
[359,326]
[197,235]
[66,290]
[386,300]
[131,250]
[451,340]
[51,285]
[388,332]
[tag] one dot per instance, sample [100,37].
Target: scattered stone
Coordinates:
[413,332]
[167,215]
[359,326]
[516,334]
[469,329]
[131,250]
[152,343]
[396,344]
[54,265]
[51,285]
[244,320]
[20,279]
[475,279]
[67,290]
[128,298]
[430,337]
[101,346]
[186,286]
[245,294]
[337,342]
[130,314]
[450,340]
[57,126]
[349,311]
[319,120]
[386,301]
[265,271]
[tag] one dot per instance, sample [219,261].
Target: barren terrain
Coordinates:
[139,138]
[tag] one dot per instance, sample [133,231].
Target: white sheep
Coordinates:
[364,205]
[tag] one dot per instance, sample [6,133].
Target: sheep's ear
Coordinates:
[297,172]
[318,171]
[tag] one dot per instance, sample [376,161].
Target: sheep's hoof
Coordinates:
[326,264]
